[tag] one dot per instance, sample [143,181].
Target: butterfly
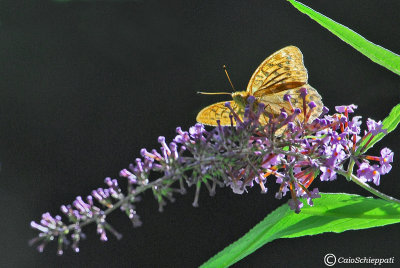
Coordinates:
[281,73]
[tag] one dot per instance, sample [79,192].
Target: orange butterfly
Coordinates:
[281,73]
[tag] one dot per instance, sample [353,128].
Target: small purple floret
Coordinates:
[375,127]
[385,160]
[328,174]
[303,92]
[342,109]
[325,110]
[251,99]
[287,97]
[312,105]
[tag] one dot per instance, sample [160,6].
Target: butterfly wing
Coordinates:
[281,71]
[218,111]
[274,102]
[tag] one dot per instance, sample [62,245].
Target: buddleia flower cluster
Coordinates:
[290,150]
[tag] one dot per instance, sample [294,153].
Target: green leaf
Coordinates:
[389,123]
[375,52]
[330,213]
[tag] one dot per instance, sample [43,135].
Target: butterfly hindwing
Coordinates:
[282,70]
[217,111]
[274,103]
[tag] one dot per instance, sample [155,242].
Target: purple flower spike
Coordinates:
[255,149]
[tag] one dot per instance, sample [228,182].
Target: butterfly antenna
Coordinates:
[214,93]
[229,79]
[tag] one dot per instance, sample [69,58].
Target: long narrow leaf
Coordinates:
[331,213]
[375,52]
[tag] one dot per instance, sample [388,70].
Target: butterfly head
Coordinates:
[240,97]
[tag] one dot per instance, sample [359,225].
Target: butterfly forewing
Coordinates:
[217,111]
[282,70]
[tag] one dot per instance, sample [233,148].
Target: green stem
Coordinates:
[350,169]
[367,187]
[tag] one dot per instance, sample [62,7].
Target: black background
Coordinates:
[84,86]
